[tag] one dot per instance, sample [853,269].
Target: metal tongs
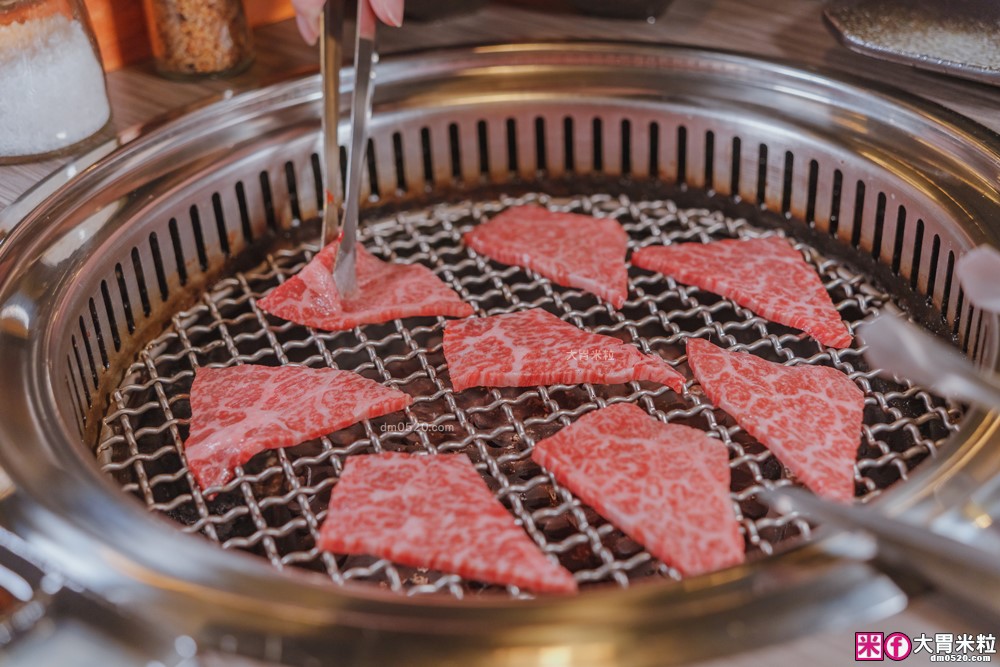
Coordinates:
[905,350]
[970,572]
[365,57]
[963,572]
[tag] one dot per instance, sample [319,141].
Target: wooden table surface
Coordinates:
[790,29]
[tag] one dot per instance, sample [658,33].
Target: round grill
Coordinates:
[148,264]
[275,506]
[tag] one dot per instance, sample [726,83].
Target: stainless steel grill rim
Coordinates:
[838,155]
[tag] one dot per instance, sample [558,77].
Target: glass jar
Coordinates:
[53,96]
[199,38]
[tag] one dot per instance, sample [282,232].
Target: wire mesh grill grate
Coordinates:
[276,503]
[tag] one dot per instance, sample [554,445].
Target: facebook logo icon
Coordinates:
[897,646]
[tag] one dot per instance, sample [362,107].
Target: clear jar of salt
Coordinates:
[52,90]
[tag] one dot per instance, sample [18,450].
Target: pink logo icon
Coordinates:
[897,646]
[868,646]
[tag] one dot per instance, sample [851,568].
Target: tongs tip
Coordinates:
[344,273]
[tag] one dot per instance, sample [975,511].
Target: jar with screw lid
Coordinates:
[199,38]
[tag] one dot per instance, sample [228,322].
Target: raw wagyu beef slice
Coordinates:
[239,411]
[434,512]
[534,347]
[664,485]
[809,416]
[567,248]
[766,275]
[386,292]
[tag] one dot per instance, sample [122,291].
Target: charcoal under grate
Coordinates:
[276,503]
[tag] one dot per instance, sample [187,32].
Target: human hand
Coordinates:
[307,15]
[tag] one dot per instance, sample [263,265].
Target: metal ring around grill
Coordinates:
[154,255]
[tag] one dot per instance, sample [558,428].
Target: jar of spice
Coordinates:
[52,91]
[199,38]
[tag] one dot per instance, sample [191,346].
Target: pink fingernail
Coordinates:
[309,32]
[393,12]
